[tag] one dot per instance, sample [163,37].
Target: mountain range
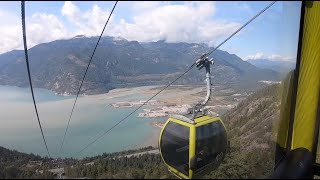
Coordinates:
[59,65]
[278,65]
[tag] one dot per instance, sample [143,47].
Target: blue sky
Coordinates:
[273,35]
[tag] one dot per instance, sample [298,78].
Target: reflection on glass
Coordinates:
[175,146]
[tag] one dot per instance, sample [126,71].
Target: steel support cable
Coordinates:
[248,22]
[85,73]
[29,74]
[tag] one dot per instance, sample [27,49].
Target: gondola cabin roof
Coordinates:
[198,121]
[201,119]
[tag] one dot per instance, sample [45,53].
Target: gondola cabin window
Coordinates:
[210,144]
[175,146]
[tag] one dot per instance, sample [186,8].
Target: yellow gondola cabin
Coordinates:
[192,144]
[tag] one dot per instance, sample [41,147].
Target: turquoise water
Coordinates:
[17,94]
[19,128]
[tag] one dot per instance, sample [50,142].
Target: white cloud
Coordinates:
[283,58]
[40,28]
[9,30]
[44,28]
[273,57]
[188,22]
[258,55]
[151,21]
[89,23]
[70,10]
[143,5]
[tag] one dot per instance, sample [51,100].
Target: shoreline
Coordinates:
[56,112]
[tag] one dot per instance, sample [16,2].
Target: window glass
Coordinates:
[175,146]
[211,140]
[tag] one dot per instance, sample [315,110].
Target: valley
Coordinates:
[250,124]
[121,78]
